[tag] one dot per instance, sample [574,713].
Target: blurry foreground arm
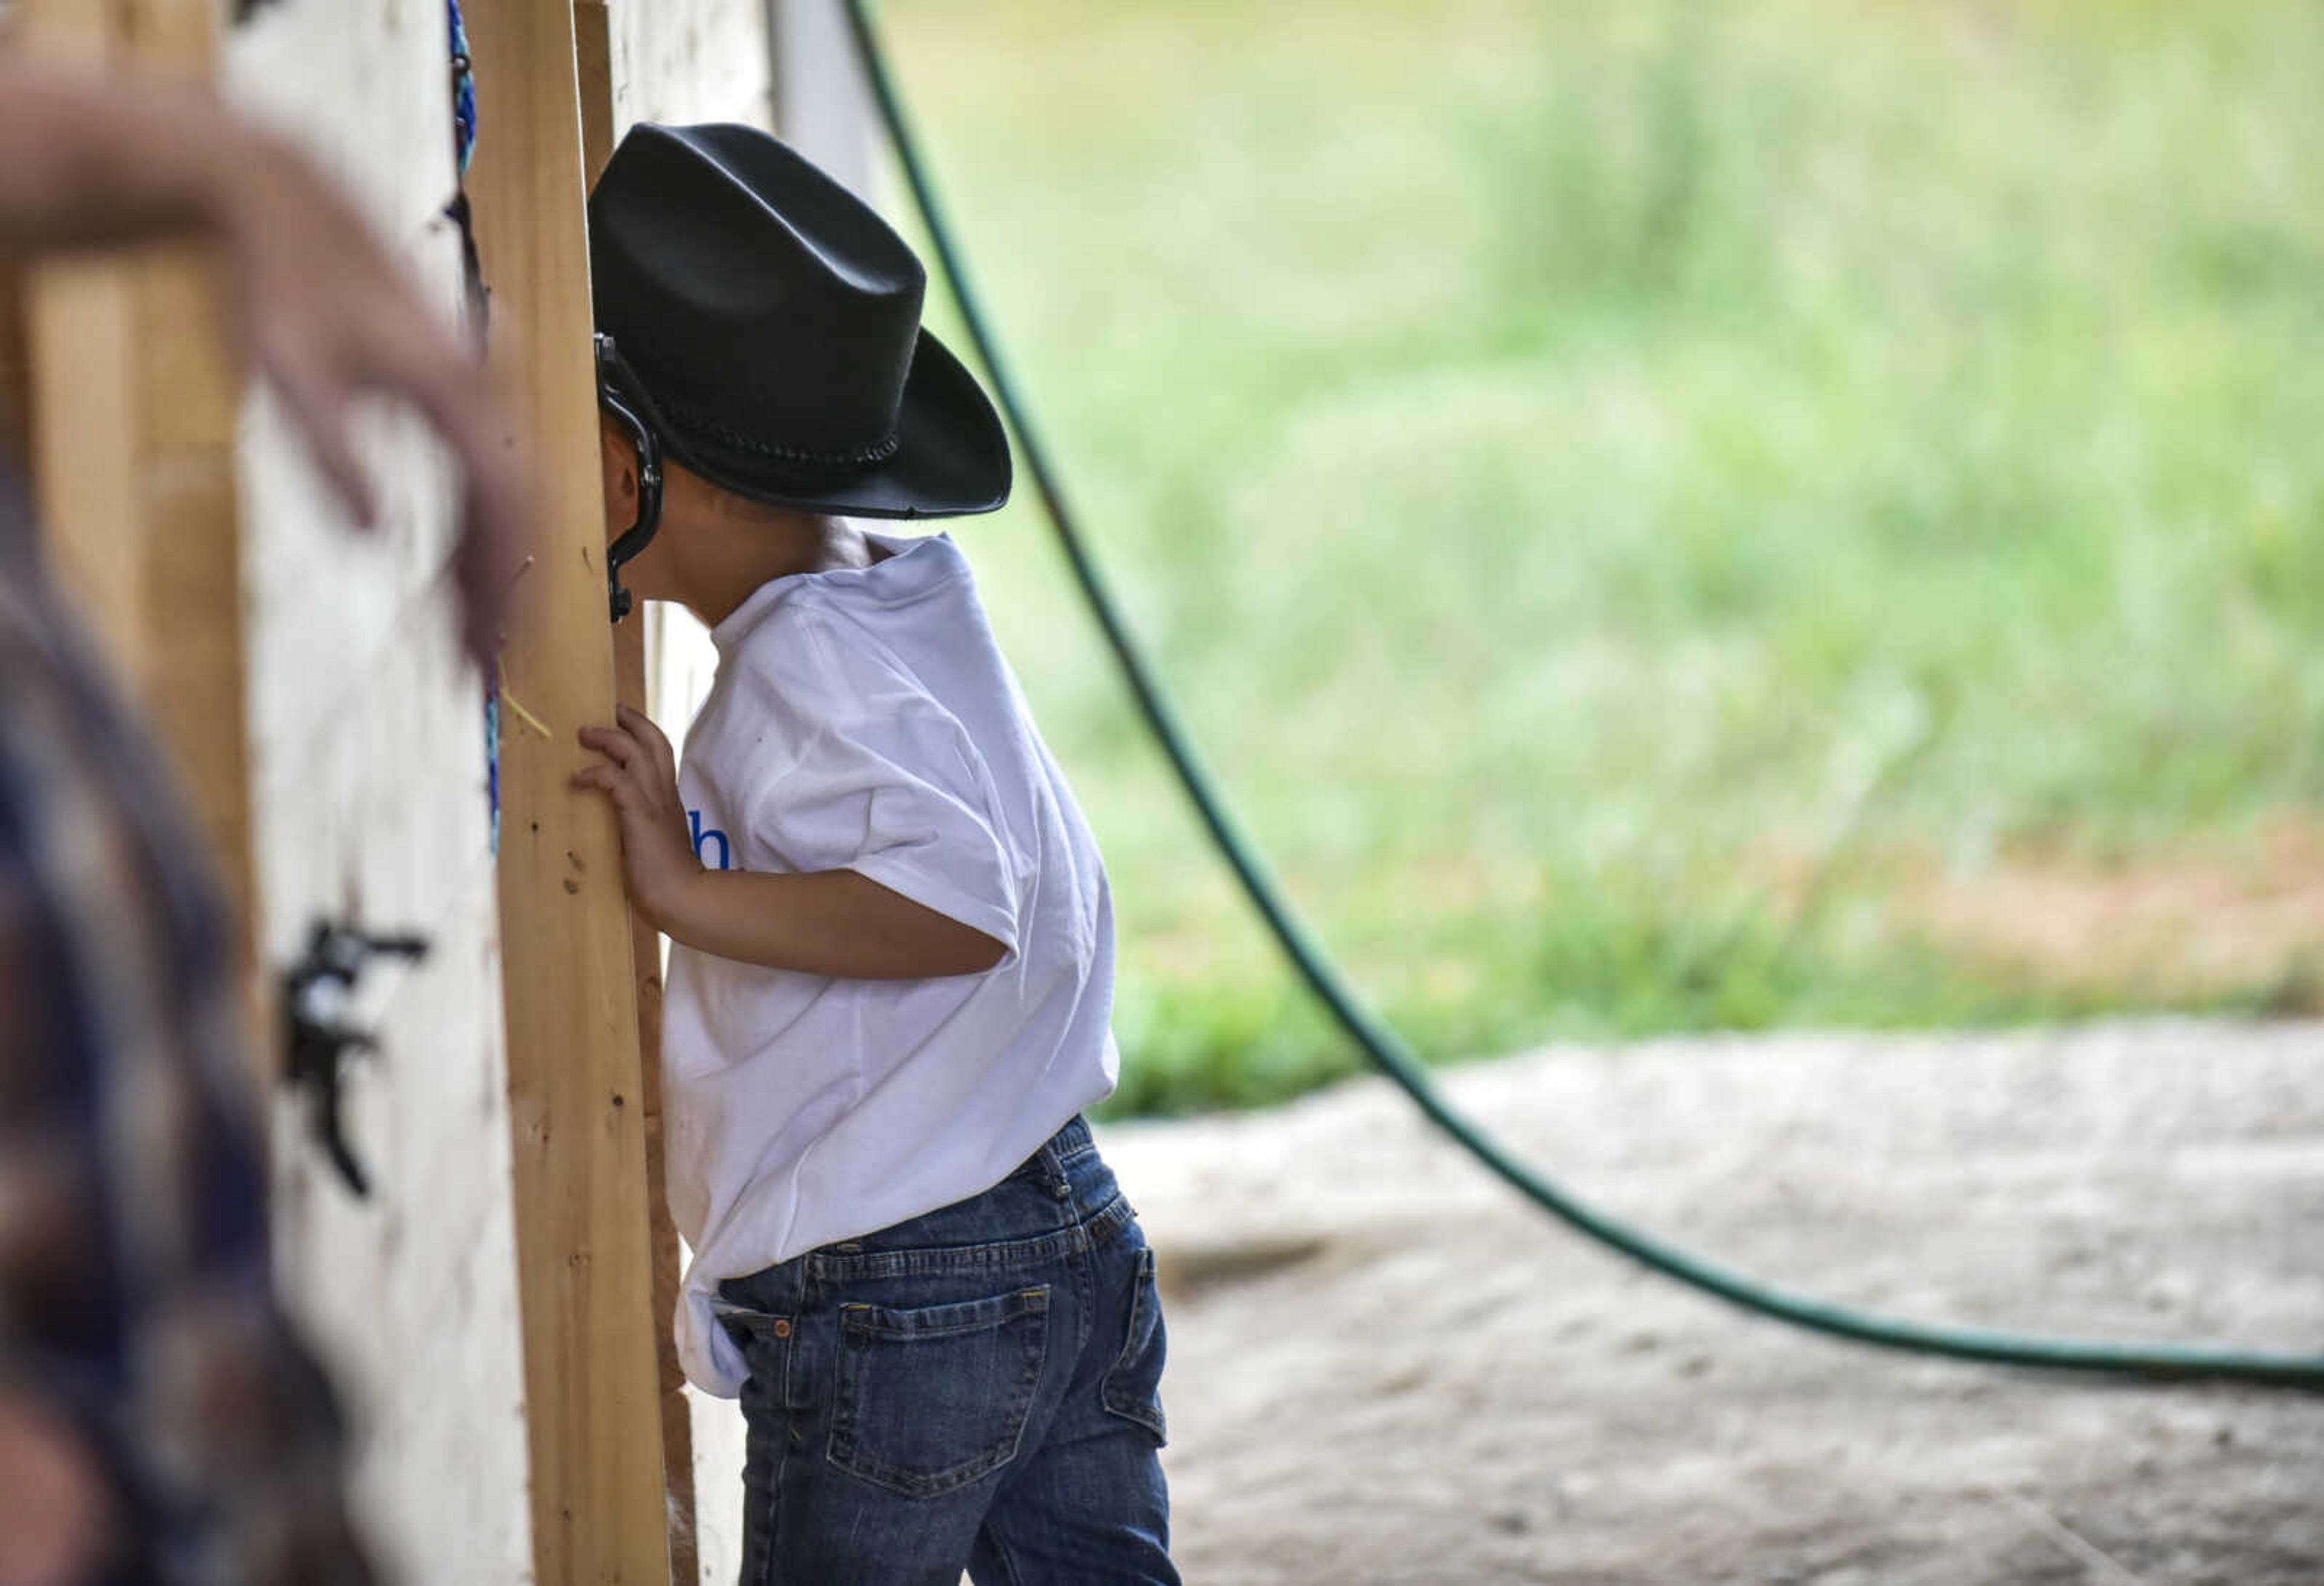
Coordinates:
[135,1298]
[54,1498]
[833,922]
[311,297]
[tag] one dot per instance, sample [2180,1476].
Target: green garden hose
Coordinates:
[1381,1045]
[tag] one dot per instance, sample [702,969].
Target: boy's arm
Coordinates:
[833,922]
[826,922]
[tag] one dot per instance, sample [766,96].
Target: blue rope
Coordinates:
[463,91]
[463,150]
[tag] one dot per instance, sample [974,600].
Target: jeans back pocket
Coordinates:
[1132,1388]
[931,1399]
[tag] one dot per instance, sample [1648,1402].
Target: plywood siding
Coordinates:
[682,60]
[369,806]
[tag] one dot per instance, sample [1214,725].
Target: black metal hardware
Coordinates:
[618,392]
[315,991]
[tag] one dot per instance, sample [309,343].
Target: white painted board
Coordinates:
[369,784]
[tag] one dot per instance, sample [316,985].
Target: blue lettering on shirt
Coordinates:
[702,838]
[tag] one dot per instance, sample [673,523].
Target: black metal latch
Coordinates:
[316,994]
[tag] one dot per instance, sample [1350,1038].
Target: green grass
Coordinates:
[1563,454]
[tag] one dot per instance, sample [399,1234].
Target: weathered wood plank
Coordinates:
[690,61]
[694,60]
[81,331]
[593,39]
[367,749]
[576,1085]
[136,403]
[356,739]
[191,679]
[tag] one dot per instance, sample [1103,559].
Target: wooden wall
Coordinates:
[327,739]
[356,789]
[133,405]
[369,801]
[690,61]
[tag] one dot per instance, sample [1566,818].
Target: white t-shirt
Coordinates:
[864,719]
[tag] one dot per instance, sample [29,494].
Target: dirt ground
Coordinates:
[1386,1369]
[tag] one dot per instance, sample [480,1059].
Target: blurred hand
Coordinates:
[126,157]
[327,317]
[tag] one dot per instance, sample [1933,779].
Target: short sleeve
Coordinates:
[876,776]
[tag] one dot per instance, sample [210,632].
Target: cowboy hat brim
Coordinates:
[951,458]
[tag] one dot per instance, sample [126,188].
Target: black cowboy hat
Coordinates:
[765,325]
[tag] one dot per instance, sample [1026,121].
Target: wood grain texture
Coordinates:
[684,61]
[593,40]
[136,403]
[86,418]
[576,1085]
[690,61]
[190,679]
[81,331]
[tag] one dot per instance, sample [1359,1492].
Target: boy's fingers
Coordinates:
[640,726]
[623,796]
[608,779]
[612,743]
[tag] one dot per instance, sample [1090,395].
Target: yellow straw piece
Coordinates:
[524,715]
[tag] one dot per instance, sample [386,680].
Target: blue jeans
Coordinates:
[977,1389]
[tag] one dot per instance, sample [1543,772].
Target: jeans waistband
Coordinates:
[1069,1143]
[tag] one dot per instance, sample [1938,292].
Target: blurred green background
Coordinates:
[1671,515]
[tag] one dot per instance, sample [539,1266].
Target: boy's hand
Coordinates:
[640,775]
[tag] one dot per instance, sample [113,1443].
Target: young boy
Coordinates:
[892,960]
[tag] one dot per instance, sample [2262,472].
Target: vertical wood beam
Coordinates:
[87,438]
[594,50]
[135,404]
[575,1082]
[80,333]
[191,394]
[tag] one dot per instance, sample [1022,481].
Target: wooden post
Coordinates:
[136,403]
[87,438]
[593,40]
[575,1082]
